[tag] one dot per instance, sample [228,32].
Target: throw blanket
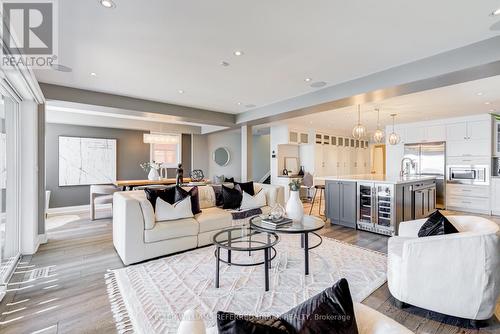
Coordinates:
[244,214]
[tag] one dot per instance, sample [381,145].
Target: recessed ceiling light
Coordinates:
[238,53]
[487,103]
[107,3]
[238,103]
[93,74]
[479,94]
[180,91]
[496,12]
[307,79]
[318,84]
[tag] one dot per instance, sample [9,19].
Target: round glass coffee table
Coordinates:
[308,225]
[244,239]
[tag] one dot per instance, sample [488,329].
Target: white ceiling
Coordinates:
[451,101]
[151,49]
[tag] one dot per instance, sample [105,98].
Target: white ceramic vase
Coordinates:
[153,175]
[294,208]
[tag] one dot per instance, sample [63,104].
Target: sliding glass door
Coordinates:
[9,188]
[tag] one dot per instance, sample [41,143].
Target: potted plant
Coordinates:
[152,169]
[294,208]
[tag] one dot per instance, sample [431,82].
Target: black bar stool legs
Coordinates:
[321,189]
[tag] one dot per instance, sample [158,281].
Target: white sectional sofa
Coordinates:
[137,236]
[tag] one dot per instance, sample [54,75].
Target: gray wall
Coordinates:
[261,163]
[232,141]
[200,154]
[131,151]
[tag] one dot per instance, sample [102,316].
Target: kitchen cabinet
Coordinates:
[469,138]
[415,134]
[422,134]
[340,202]
[495,196]
[468,198]
[297,137]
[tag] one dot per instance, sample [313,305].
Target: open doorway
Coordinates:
[378,159]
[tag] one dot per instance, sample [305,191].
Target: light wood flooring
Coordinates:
[73,298]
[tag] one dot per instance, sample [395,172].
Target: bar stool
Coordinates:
[321,188]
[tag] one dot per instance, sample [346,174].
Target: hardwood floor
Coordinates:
[71,297]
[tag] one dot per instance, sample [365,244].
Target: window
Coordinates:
[165,148]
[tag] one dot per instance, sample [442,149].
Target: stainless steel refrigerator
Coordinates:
[430,159]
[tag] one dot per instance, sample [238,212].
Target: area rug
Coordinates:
[151,297]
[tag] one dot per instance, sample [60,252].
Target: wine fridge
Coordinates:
[376,208]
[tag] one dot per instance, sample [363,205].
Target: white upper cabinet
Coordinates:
[422,134]
[469,138]
[456,131]
[415,134]
[435,133]
[478,130]
[297,137]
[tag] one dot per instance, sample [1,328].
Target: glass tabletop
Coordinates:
[245,239]
[308,224]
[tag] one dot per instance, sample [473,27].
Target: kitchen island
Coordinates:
[378,203]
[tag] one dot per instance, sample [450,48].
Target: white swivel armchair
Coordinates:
[101,194]
[455,274]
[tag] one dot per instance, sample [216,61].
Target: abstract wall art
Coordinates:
[84,161]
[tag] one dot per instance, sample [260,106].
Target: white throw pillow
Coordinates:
[251,202]
[179,210]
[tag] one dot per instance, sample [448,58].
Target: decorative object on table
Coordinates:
[179,175]
[301,171]
[152,169]
[219,179]
[496,116]
[196,175]
[277,212]
[285,171]
[276,223]
[221,156]
[294,208]
[359,131]
[86,161]
[379,134]
[394,138]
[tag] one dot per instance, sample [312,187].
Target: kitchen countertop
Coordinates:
[378,178]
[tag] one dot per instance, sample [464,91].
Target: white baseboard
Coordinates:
[76,209]
[42,239]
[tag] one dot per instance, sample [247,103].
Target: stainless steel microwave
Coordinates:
[478,174]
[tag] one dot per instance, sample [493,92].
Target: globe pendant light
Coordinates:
[359,130]
[393,137]
[379,134]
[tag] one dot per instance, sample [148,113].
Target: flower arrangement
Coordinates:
[147,166]
[496,116]
[294,185]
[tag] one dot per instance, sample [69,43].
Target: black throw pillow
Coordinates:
[436,224]
[246,187]
[167,194]
[180,194]
[219,199]
[230,323]
[229,179]
[232,197]
[330,311]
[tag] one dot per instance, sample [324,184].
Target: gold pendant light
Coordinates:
[379,134]
[359,130]
[394,138]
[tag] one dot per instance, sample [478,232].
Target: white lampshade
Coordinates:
[378,136]
[394,138]
[159,138]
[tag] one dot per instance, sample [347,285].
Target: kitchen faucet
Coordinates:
[402,171]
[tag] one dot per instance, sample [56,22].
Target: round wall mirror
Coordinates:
[221,156]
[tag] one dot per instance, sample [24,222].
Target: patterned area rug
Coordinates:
[152,297]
